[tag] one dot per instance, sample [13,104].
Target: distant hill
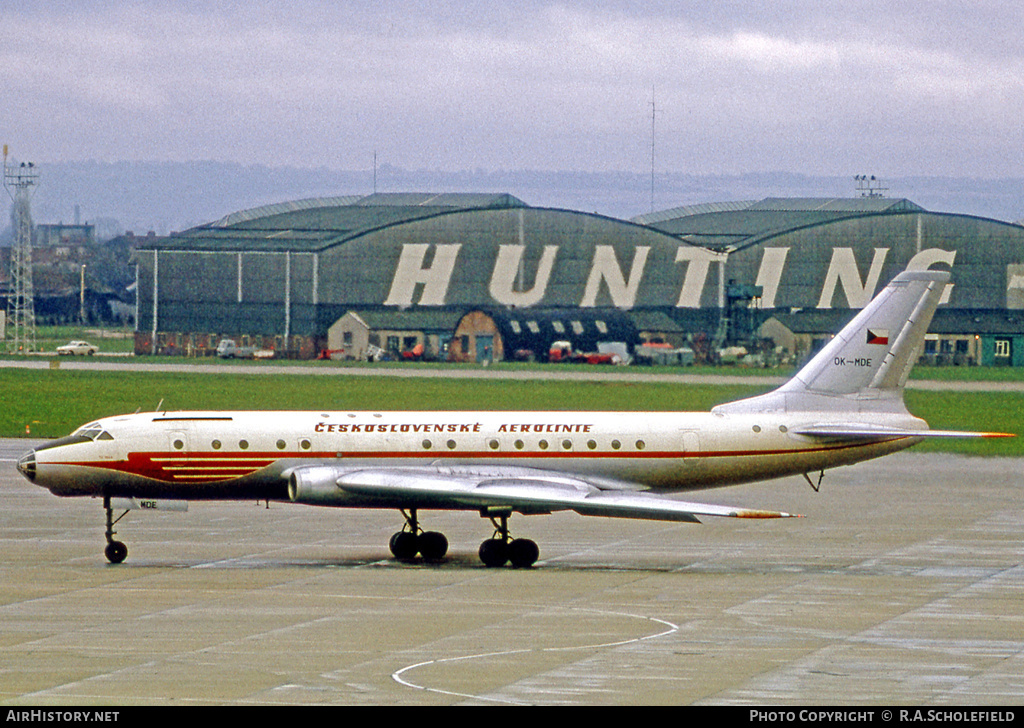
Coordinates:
[170,196]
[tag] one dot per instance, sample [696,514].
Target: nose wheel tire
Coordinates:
[115,552]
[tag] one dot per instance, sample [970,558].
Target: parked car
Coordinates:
[77,348]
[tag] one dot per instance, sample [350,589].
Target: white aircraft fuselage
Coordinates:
[243,455]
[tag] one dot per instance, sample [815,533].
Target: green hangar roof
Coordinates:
[740,224]
[317,223]
[358,212]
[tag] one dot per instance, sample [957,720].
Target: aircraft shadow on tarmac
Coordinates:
[469,562]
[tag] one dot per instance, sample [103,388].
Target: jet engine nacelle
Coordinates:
[316,485]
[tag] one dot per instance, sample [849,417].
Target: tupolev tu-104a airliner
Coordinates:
[842,407]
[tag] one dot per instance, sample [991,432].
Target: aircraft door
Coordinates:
[179,440]
[689,442]
[484,349]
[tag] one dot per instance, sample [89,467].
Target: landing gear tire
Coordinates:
[115,552]
[494,552]
[523,553]
[432,545]
[404,546]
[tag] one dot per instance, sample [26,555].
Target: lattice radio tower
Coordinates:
[20,181]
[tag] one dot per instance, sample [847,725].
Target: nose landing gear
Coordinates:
[115,550]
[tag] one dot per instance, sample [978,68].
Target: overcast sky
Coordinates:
[809,86]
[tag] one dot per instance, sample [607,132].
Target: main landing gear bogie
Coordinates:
[411,541]
[521,553]
[432,546]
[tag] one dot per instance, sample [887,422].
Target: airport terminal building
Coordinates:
[403,271]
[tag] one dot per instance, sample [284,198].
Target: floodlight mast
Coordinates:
[654,111]
[20,181]
[870,186]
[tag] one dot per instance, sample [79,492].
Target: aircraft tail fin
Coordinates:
[866,365]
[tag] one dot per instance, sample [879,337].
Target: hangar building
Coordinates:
[816,259]
[284,276]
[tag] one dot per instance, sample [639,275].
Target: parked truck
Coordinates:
[228,349]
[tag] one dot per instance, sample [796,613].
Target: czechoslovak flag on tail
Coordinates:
[878,336]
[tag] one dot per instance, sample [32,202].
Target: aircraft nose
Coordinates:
[27,465]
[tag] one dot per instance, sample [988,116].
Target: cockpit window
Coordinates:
[94,431]
[91,430]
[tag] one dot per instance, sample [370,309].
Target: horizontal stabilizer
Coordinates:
[865,432]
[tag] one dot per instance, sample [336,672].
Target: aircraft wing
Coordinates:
[860,431]
[525,491]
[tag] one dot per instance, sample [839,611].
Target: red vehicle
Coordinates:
[561,351]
